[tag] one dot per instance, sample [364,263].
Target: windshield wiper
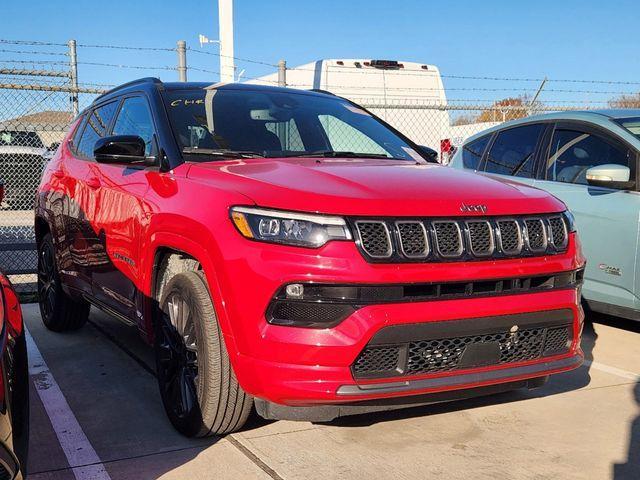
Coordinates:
[336,154]
[221,152]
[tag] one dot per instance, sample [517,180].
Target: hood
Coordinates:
[371,187]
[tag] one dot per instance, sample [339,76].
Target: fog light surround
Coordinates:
[294,290]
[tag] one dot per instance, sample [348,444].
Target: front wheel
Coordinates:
[199,390]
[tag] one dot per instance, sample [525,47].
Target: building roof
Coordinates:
[47,119]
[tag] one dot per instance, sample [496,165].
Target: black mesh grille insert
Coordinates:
[510,240]
[448,239]
[377,360]
[481,238]
[557,341]
[374,238]
[308,313]
[446,354]
[558,232]
[413,239]
[536,234]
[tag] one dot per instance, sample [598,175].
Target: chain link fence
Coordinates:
[36,108]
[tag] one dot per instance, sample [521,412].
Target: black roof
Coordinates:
[152,82]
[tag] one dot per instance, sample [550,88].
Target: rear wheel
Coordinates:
[59,311]
[199,390]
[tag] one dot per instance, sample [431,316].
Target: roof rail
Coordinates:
[129,84]
[319,90]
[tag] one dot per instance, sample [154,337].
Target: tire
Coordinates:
[60,313]
[199,390]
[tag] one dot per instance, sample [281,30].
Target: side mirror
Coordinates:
[429,153]
[610,175]
[122,149]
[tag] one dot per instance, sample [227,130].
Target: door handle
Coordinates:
[93,183]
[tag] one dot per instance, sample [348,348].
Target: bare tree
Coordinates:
[625,101]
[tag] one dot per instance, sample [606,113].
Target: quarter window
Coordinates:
[472,153]
[135,118]
[512,153]
[95,128]
[573,152]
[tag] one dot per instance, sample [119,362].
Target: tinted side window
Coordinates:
[135,118]
[512,153]
[572,153]
[472,153]
[75,140]
[95,128]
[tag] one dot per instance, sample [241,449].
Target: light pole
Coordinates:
[225,28]
[225,21]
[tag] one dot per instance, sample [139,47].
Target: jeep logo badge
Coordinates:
[479,208]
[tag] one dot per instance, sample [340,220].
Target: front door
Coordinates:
[606,219]
[121,211]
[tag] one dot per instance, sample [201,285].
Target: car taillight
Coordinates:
[11,312]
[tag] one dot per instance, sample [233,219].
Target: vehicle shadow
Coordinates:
[629,470]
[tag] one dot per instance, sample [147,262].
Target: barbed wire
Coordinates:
[32,42]
[125,47]
[120,65]
[32,52]
[346,69]
[247,60]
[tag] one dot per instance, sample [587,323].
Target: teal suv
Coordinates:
[589,160]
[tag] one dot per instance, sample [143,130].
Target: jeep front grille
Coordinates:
[423,240]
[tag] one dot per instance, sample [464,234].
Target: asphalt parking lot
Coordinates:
[96,414]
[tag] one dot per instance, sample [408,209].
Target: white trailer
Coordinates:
[387,88]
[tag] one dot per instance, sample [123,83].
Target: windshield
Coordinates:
[20,139]
[276,124]
[631,124]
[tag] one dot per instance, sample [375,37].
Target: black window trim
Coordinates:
[606,135]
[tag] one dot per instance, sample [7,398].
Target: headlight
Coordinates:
[570,220]
[301,229]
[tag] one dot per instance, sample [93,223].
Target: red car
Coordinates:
[289,250]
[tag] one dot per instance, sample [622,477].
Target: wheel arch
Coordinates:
[167,251]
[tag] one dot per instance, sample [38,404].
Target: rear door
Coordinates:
[82,243]
[606,218]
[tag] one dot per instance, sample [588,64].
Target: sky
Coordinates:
[575,40]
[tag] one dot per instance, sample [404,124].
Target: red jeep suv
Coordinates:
[289,250]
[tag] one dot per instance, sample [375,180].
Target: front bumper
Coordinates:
[309,366]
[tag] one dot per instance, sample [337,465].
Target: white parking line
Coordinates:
[82,458]
[613,370]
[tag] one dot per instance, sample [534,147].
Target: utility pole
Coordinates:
[282,73]
[182,61]
[73,69]
[225,20]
